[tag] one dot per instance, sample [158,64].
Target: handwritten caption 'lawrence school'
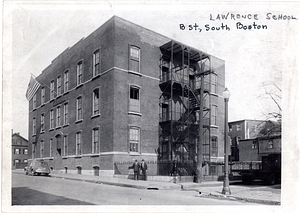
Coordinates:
[238,25]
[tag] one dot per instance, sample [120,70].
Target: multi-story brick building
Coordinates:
[19,151]
[103,101]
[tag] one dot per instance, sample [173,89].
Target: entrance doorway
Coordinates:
[58,161]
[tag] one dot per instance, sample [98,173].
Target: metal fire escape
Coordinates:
[182,69]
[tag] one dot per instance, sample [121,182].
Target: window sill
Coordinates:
[51,129]
[214,126]
[78,156]
[78,121]
[95,116]
[134,153]
[135,113]
[96,76]
[135,73]
[64,157]
[65,125]
[215,94]
[58,127]
[80,85]
[43,104]
[66,92]
[51,100]
[33,135]
[48,158]
[91,155]
[42,132]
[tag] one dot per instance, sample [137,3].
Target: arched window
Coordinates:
[134,101]
[78,143]
[79,108]
[96,101]
[134,59]
[96,63]
[96,140]
[79,72]
[134,139]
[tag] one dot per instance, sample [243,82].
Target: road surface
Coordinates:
[42,190]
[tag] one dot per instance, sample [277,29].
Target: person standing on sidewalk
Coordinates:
[136,170]
[144,170]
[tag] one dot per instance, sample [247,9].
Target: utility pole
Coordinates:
[200,142]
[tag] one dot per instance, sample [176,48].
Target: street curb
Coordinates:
[231,197]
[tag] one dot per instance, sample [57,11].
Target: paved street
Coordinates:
[40,190]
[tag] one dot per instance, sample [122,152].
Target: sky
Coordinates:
[36,33]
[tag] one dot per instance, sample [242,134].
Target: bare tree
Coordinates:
[273,92]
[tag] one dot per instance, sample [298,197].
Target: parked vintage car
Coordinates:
[37,167]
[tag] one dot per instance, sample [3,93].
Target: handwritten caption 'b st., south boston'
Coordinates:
[238,25]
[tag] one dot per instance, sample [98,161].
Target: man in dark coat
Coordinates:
[144,170]
[136,169]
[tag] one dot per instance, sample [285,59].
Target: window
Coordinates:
[17,151]
[96,140]
[96,63]
[33,150]
[238,138]
[254,144]
[214,83]
[270,144]
[66,113]
[65,145]
[42,122]
[134,103]
[34,101]
[78,143]
[134,59]
[213,170]
[43,95]
[34,126]
[51,119]
[96,102]
[134,137]
[79,73]
[214,146]
[58,86]
[230,127]
[25,160]
[238,127]
[214,115]
[17,161]
[51,147]
[79,109]
[25,151]
[42,149]
[58,117]
[66,80]
[52,90]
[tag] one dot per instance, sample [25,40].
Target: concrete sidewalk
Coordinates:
[256,193]
[270,195]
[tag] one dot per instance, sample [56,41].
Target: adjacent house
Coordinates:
[246,133]
[19,151]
